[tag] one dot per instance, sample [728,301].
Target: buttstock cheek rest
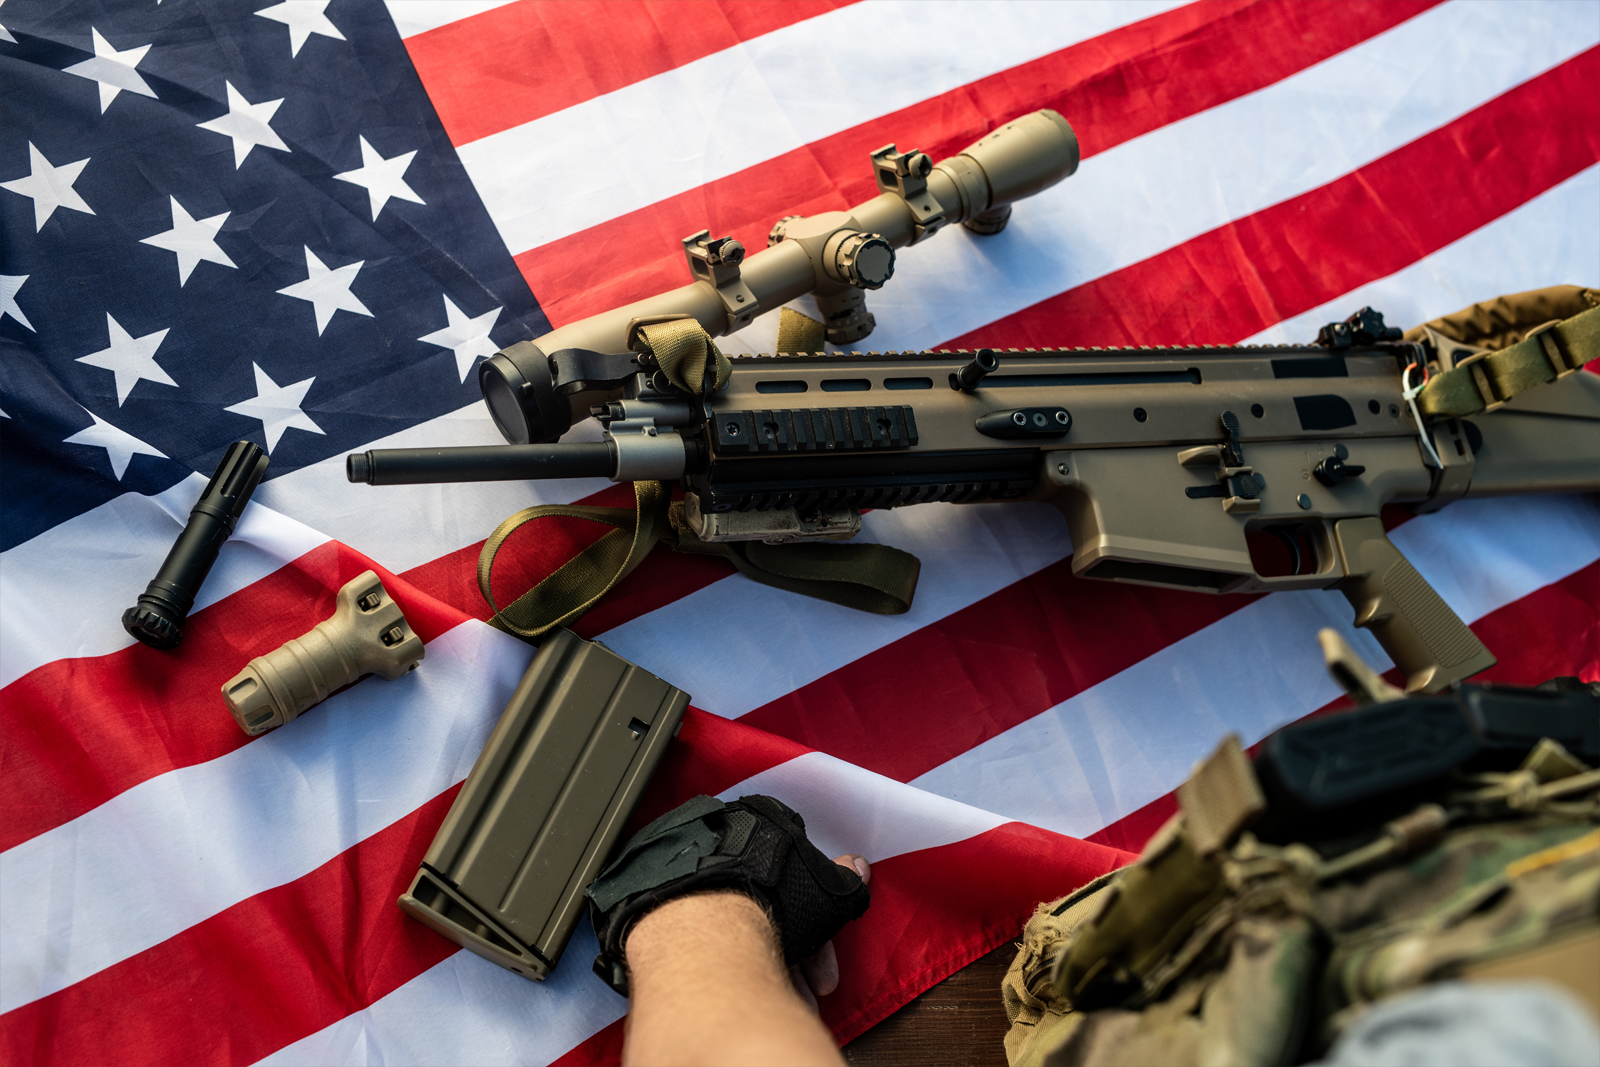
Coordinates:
[1427,641]
[367,634]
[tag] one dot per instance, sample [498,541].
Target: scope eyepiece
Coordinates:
[158,618]
[521,395]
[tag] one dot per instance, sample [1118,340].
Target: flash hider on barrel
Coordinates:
[533,395]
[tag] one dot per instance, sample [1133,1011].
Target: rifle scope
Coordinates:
[834,256]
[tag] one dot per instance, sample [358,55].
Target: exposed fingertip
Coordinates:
[863,868]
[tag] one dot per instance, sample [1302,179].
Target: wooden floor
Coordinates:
[958,1021]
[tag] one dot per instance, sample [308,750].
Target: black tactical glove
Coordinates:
[756,845]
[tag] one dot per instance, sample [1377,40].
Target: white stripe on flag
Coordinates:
[100,888]
[632,147]
[494,1016]
[1134,737]
[412,17]
[1553,239]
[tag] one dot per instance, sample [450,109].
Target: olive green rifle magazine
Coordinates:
[545,804]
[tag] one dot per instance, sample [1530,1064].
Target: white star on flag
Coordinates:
[193,240]
[120,445]
[278,407]
[129,358]
[328,290]
[113,70]
[246,123]
[5,35]
[9,284]
[303,17]
[382,178]
[49,187]
[467,338]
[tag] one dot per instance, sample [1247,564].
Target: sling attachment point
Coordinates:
[683,352]
[1485,380]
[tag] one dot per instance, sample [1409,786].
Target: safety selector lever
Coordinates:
[1238,485]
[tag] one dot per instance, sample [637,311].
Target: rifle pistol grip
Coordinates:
[1427,641]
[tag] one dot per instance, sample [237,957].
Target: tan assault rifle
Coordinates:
[1164,460]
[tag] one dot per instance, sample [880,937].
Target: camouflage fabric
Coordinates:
[1272,961]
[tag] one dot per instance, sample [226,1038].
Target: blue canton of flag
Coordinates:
[221,223]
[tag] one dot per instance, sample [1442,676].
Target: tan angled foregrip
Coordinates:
[366,635]
[1427,641]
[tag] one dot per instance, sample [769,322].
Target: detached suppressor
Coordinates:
[158,618]
[545,804]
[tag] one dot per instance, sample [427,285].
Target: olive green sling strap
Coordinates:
[1493,374]
[867,577]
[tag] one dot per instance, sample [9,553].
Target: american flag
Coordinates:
[303,224]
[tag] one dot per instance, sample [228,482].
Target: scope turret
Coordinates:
[835,256]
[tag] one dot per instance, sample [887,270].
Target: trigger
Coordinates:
[1289,535]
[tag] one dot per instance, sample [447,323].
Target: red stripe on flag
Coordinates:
[514,64]
[1112,88]
[76,732]
[1243,277]
[936,693]
[283,964]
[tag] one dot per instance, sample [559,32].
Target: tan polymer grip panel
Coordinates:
[367,634]
[1427,641]
[544,805]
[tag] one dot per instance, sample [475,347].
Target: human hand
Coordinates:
[818,974]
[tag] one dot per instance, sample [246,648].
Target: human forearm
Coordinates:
[709,986]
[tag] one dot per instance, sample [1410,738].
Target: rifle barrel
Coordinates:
[484,463]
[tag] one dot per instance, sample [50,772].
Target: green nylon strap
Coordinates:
[682,349]
[1493,378]
[581,581]
[873,578]
[868,577]
[799,332]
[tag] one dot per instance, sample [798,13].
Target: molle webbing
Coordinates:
[1487,379]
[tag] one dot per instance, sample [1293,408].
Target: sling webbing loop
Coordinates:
[1485,380]
[575,587]
[685,353]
